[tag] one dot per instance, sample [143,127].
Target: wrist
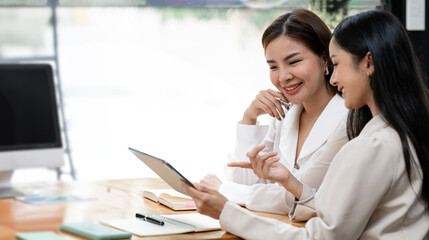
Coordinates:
[293,186]
[248,120]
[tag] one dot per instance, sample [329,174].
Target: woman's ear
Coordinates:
[327,66]
[369,64]
[326,60]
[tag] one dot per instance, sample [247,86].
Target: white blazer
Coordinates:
[245,188]
[366,194]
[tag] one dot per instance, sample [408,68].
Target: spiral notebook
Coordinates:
[174,224]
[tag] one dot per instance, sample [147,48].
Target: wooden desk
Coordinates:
[114,199]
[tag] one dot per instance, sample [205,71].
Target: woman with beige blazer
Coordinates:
[300,70]
[377,186]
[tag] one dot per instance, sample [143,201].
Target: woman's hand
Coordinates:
[211,181]
[266,166]
[208,201]
[266,102]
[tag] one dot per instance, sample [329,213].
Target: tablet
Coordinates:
[163,169]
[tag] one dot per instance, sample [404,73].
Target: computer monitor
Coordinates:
[30,134]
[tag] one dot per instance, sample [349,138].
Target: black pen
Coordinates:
[149,219]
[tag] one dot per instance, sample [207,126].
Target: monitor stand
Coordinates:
[6,189]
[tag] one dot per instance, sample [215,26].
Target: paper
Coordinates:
[175,224]
[415,15]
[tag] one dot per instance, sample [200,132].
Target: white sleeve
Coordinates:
[305,211]
[342,213]
[272,198]
[235,192]
[239,180]
[245,224]
[248,137]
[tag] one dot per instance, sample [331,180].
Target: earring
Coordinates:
[367,74]
[326,71]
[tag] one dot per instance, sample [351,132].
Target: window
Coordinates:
[169,80]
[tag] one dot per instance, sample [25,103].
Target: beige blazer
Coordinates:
[365,195]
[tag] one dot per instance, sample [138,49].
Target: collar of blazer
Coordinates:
[327,122]
[375,124]
[288,134]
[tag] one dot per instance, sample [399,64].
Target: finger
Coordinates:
[259,164]
[207,177]
[280,96]
[267,166]
[199,187]
[260,160]
[273,97]
[205,189]
[185,185]
[263,104]
[272,104]
[257,167]
[282,99]
[258,104]
[277,94]
[192,192]
[240,164]
[268,155]
[255,151]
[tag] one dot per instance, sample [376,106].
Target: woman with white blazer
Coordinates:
[377,186]
[296,49]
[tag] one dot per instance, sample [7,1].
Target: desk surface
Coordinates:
[114,199]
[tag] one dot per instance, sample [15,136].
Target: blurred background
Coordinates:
[167,77]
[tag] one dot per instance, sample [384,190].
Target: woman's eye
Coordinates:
[293,62]
[334,65]
[273,67]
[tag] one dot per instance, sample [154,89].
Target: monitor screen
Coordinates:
[28,109]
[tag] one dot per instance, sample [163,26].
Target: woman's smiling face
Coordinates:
[351,77]
[295,70]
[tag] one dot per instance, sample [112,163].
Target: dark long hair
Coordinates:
[397,83]
[304,26]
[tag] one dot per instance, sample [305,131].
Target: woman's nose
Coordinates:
[285,75]
[333,80]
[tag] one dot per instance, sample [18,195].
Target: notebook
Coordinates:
[94,231]
[170,198]
[46,235]
[173,224]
